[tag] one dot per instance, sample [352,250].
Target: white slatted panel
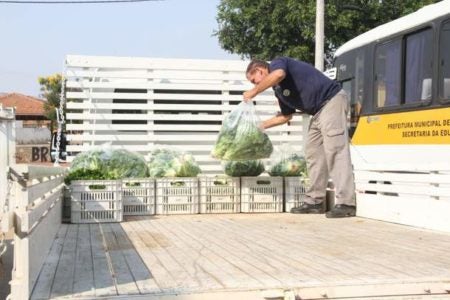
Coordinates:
[417,199]
[140,103]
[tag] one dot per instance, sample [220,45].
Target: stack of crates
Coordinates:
[95,201]
[220,195]
[177,195]
[294,191]
[138,196]
[261,194]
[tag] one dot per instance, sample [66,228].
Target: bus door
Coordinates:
[351,76]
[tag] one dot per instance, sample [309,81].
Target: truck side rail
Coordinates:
[37,207]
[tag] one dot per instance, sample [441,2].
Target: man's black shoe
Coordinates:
[342,211]
[305,208]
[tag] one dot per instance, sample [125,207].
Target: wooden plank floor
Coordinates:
[195,254]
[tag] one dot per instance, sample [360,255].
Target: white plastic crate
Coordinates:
[138,196]
[261,194]
[177,195]
[294,191]
[96,201]
[220,195]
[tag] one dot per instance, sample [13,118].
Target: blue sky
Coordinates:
[35,38]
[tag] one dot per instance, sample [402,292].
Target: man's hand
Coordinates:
[276,120]
[249,95]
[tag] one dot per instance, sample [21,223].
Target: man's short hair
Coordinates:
[256,63]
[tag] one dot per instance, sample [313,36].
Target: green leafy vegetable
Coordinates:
[81,174]
[171,163]
[240,138]
[107,164]
[243,168]
[293,165]
[125,164]
[89,160]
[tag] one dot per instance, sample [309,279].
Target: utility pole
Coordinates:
[320,13]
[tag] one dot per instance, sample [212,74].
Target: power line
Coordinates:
[72,1]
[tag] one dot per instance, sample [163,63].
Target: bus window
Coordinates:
[418,66]
[387,74]
[444,74]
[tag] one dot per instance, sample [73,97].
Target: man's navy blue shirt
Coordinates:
[304,88]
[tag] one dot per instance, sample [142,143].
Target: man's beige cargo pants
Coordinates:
[328,154]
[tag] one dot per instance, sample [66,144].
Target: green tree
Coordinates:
[268,28]
[51,90]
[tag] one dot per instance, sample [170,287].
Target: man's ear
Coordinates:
[264,71]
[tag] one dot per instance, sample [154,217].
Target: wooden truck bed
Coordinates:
[244,256]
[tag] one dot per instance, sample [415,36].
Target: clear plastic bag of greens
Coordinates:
[284,161]
[94,159]
[170,162]
[126,164]
[243,168]
[104,162]
[241,137]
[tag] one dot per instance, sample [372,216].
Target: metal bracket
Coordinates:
[20,178]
